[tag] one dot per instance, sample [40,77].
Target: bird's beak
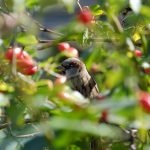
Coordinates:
[61,69]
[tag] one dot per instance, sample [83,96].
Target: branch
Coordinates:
[4,125]
[133,134]
[117,23]
[49,30]
[117,125]
[41,27]
[27,135]
[44,44]
[45,41]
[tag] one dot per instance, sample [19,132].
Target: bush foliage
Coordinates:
[41,112]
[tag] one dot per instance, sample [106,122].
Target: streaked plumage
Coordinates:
[81,80]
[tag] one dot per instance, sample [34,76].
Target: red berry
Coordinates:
[145,101]
[25,63]
[13,51]
[29,70]
[137,53]
[104,116]
[63,46]
[147,70]
[25,55]
[73,51]
[85,16]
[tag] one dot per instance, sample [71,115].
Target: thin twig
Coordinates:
[4,125]
[41,27]
[43,46]
[132,139]
[117,22]
[45,41]
[27,135]
[49,30]
[10,132]
[117,125]
[78,2]
[52,73]
[132,135]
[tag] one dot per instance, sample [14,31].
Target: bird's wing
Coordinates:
[94,87]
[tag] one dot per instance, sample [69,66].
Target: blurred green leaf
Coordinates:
[69,5]
[84,126]
[144,11]
[96,10]
[35,111]
[27,39]
[31,3]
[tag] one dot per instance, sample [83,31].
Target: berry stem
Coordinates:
[78,2]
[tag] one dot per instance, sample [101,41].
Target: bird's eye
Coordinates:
[69,66]
[72,64]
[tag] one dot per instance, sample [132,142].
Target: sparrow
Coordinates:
[76,72]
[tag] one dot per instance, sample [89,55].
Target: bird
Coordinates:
[76,72]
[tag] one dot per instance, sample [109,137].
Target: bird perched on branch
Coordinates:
[75,71]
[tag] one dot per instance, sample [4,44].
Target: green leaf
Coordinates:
[84,126]
[19,5]
[31,3]
[27,39]
[96,10]
[145,11]
[69,5]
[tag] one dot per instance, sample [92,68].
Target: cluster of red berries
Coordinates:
[66,48]
[24,62]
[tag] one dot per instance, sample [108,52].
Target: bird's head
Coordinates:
[72,67]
